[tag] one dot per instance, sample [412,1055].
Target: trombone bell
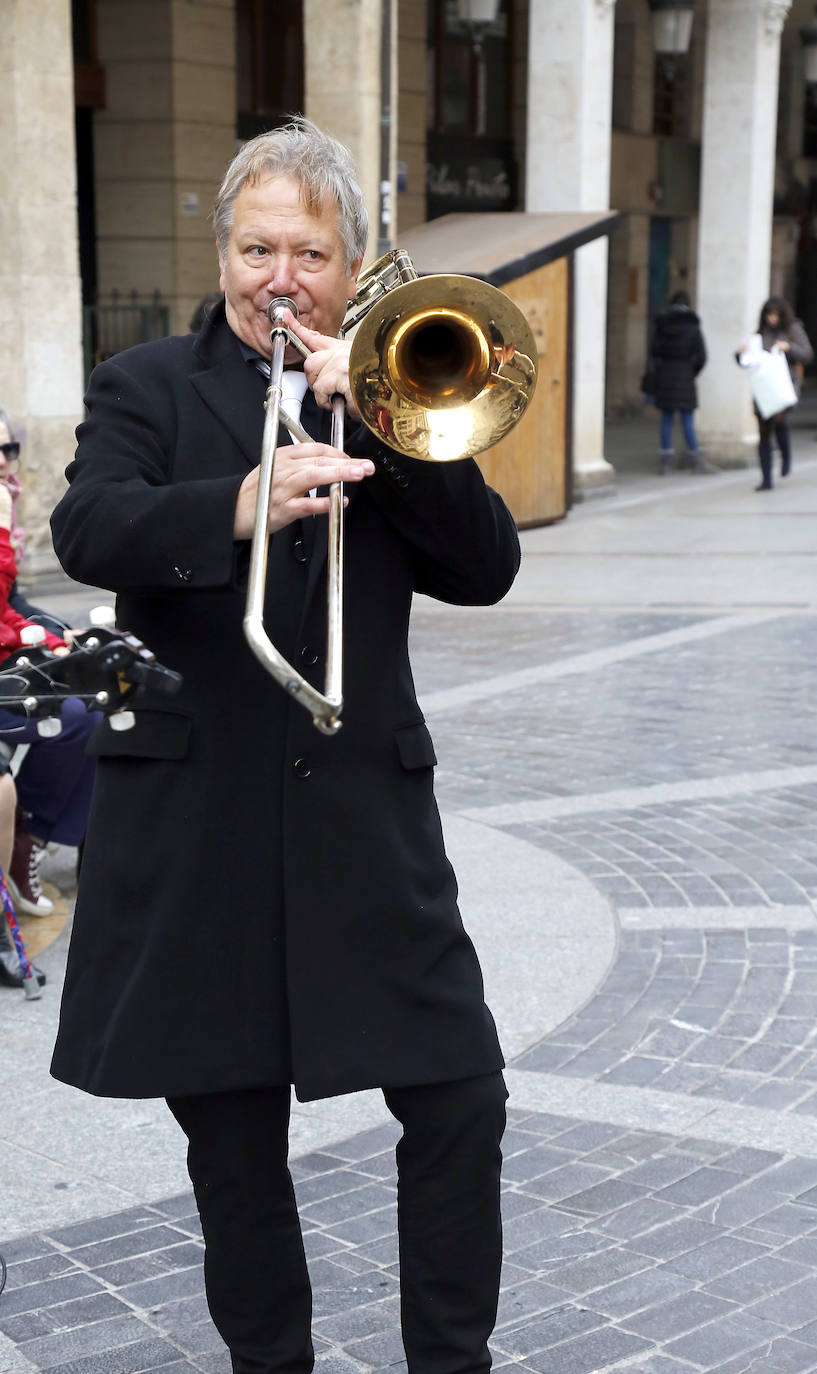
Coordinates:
[437,357]
[442,367]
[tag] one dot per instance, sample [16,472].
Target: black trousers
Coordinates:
[448,1166]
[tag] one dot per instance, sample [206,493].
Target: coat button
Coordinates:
[299,551]
[183,574]
[308,655]
[301,768]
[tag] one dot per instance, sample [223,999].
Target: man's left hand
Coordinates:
[327,367]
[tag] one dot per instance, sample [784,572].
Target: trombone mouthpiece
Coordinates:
[276,308]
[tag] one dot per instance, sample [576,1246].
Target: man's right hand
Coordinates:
[298,468]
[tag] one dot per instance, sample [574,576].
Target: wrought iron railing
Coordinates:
[119,321]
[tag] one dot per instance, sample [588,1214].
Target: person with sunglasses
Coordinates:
[55,779]
[9,456]
[9,460]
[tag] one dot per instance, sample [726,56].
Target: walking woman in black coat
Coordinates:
[677,355]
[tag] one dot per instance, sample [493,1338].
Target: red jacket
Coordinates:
[11,622]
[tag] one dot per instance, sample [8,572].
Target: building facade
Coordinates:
[129,111]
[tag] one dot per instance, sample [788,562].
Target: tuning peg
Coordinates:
[122,720]
[102,616]
[49,727]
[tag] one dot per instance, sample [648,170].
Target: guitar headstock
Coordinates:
[105,668]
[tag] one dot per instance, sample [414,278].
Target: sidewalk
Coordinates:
[627,778]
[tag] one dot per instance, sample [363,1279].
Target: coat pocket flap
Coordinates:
[156,735]
[414,746]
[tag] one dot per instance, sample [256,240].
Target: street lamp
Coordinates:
[671,30]
[808,37]
[478,16]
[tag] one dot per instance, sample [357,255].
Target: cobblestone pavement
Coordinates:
[660,1178]
[624,1249]
[760,850]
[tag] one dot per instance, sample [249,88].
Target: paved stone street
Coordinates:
[628,778]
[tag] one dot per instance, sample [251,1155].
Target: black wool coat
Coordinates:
[678,354]
[260,903]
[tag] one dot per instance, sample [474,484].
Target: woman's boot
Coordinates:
[784,444]
[764,453]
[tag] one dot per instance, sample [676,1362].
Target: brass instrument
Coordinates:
[440,368]
[325,706]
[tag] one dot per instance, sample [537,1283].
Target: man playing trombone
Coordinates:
[292,918]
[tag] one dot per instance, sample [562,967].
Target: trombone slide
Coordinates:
[325,707]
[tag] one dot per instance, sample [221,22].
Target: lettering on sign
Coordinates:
[473,183]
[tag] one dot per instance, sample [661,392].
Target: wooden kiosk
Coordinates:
[530,257]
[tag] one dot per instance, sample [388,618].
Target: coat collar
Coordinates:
[232,389]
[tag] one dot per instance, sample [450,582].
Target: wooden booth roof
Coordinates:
[499,247]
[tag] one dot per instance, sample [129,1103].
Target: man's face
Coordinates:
[278,248]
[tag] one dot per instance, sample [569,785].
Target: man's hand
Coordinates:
[68,638]
[298,468]
[327,367]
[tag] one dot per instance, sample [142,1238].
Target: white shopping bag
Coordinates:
[769,377]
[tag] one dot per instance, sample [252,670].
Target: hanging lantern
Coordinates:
[671,26]
[478,12]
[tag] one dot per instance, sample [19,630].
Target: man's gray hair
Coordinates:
[324,168]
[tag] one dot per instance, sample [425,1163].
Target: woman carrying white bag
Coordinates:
[775,357]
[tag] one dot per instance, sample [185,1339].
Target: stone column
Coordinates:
[413,112]
[570,65]
[161,146]
[737,193]
[40,344]
[342,85]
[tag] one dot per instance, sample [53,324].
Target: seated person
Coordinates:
[55,780]
[11,974]
[9,456]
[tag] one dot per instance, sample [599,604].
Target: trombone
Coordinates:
[325,706]
[440,368]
